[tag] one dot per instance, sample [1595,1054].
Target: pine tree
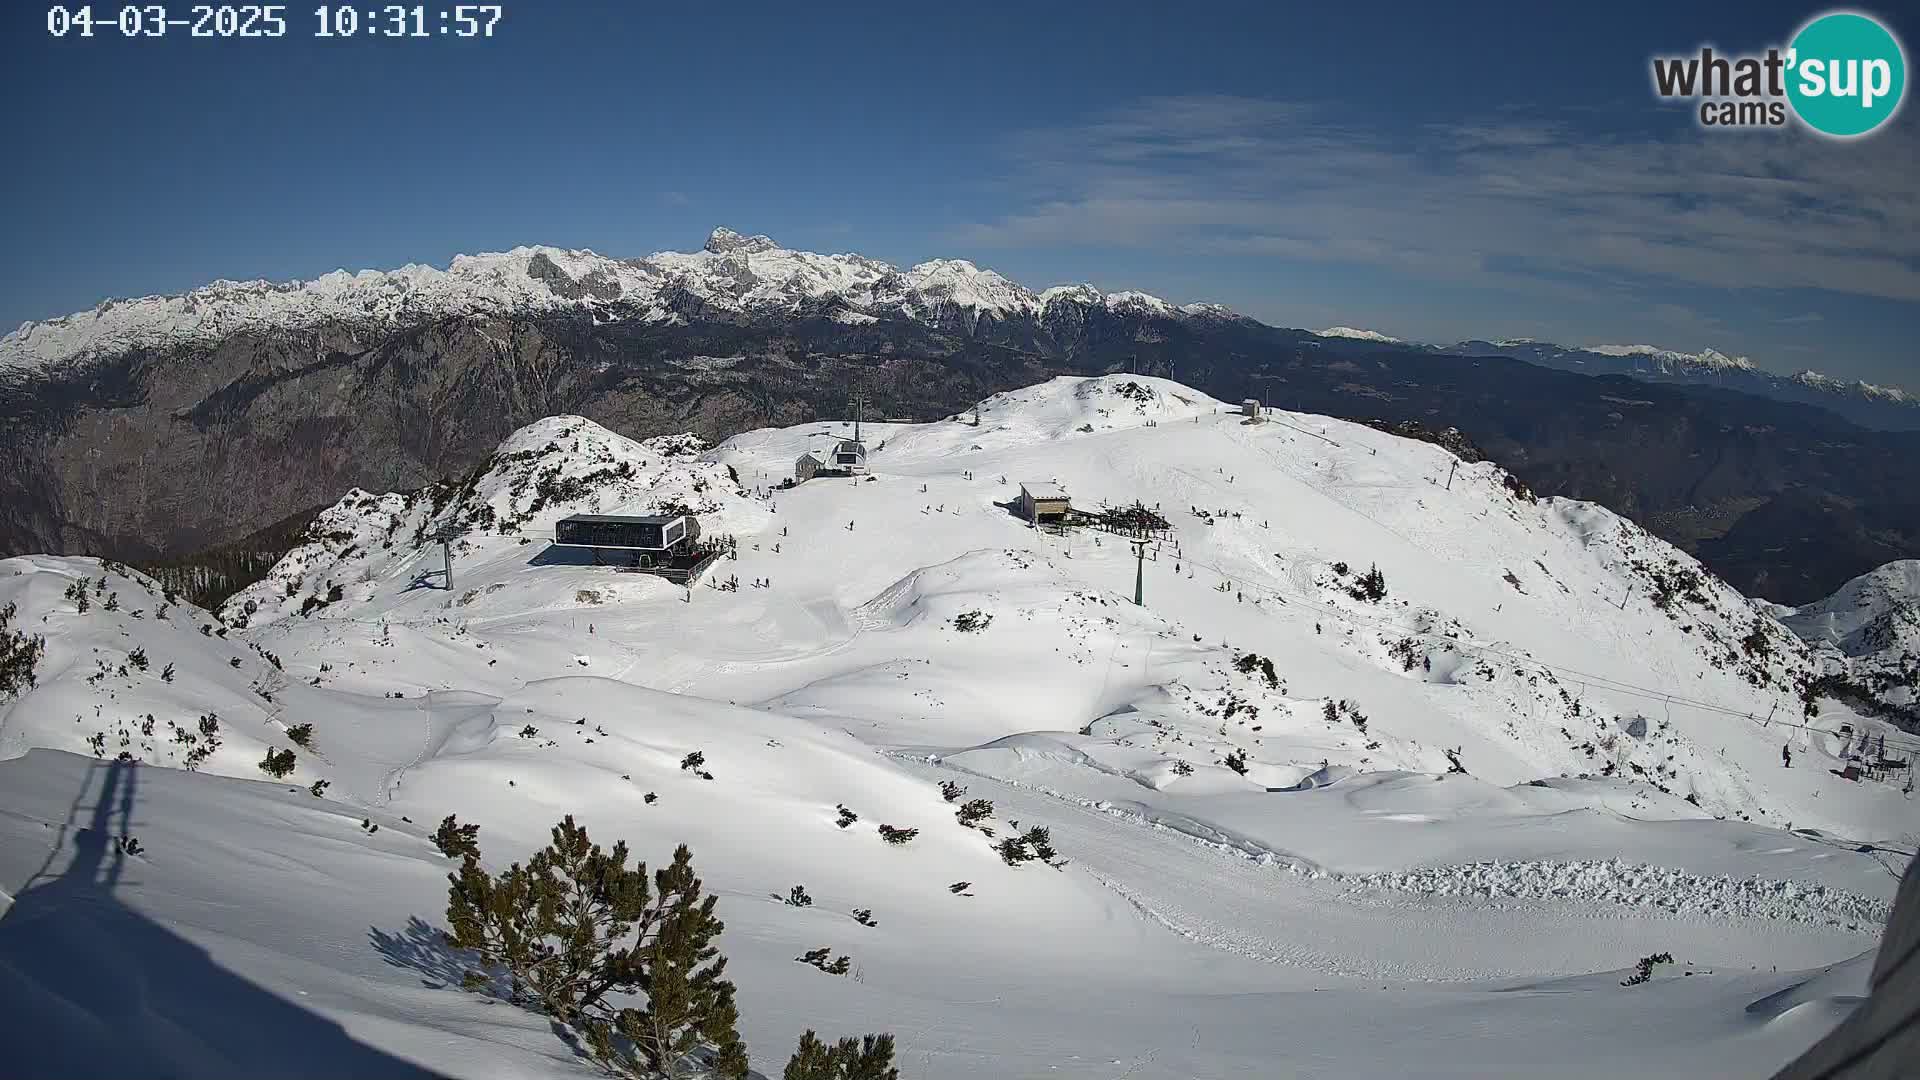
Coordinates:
[575,924]
[19,655]
[457,841]
[974,811]
[870,1058]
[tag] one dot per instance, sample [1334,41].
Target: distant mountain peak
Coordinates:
[1357,334]
[1816,381]
[1705,358]
[724,241]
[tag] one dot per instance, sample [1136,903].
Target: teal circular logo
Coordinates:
[1846,74]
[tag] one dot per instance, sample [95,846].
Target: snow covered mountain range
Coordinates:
[155,430]
[732,274]
[1372,688]
[1862,402]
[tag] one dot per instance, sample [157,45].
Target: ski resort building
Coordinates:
[1251,407]
[657,535]
[665,545]
[807,467]
[1044,502]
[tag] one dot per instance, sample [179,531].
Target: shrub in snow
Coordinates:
[301,734]
[19,655]
[870,1058]
[1181,768]
[959,888]
[973,812]
[1035,843]
[127,845]
[1013,851]
[818,958]
[318,788]
[77,592]
[971,621]
[457,841]
[1370,587]
[797,897]
[692,762]
[847,817]
[1040,841]
[864,916]
[1237,761]
[575,924]
[529,732]
[951,790]
[277,763]
[893,835]
[1253,662]
[112,604]
[166,673]
[138,658]
[1643,971]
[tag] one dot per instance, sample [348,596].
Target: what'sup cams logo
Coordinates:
[1843,75]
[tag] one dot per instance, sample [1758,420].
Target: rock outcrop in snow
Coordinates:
[545,471]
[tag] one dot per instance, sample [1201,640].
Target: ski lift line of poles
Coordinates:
[1301,430]
[1895,741]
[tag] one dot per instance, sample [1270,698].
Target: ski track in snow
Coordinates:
[1633,885]
[1579,889]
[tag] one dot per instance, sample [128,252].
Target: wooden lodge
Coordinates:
[1044,503]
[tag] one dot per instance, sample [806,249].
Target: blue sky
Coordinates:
[1433,171]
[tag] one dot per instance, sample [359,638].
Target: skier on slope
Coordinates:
[1786,756]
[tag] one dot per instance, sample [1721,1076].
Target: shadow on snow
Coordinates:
[105,991]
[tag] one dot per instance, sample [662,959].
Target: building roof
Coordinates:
[850,444]
[1044,490]
[627,519]
[809,455]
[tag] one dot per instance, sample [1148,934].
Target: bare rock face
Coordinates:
[153,454]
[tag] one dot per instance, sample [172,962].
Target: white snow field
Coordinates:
[1306,832]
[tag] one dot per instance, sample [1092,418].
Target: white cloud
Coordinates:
[1502,203]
